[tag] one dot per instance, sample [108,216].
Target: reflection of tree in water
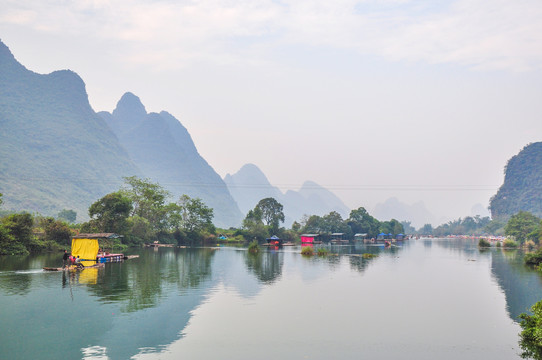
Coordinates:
[266,265]
[140,282]
[18,284]
[359,264]
[522,285]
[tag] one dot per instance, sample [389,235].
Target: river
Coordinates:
[423,299]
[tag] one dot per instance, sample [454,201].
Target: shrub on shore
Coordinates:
[483,243]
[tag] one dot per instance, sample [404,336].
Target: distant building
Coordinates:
[308,238]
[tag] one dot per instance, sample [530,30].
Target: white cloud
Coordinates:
[502,34]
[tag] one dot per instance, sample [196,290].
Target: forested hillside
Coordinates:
[55,151]
[164,151]
[522,187]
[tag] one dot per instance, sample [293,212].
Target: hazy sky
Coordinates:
[420,100]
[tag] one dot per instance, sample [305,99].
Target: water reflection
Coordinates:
[157,304]
[266,265]
[522,285]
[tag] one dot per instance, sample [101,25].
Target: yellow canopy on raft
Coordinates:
[86,249]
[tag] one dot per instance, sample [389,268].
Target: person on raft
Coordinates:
[65,259]
[78,262]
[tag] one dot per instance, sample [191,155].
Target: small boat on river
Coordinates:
[87,248]
[73,267]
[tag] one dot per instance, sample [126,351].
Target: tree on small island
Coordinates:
[254,248]
[483,243]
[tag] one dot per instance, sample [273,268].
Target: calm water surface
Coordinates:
[425,299]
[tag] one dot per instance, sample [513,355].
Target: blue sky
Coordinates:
[421,100]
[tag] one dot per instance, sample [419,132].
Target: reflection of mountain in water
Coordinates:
[142,287]
[522,285]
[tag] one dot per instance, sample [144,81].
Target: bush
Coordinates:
[534,258]
[322,251]
[254,248]
[483,243]
[307,251]
[368,256]
[510,244]
[529,245]
[531,335]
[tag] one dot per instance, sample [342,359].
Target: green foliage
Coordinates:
[110,213]
[140,230]
[20,227]
[483,243]
[8,244]
[195,216]
[522,187]
[495,227]
[510,244]
[523,226]
[531,334]
[533,258]
[253,247]
[272,213]
[307,251]
[263,220]
[468,226]
[391,227]
[53,145]
[56,231]
[427,229]
[148,200]
[368,256]
[322,251]
[408,228]
[361,222]
[67,215]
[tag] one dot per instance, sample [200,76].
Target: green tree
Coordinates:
[8,244]
[334,223]
[427,229]
[361,222]
[409,229]
[523,226]
[195,215]
[314,224]
[148,200]
[67,215]
[56,230]
[392,227]
[254,226]
[110,213]
[272,213]
[140,230]
[20,227]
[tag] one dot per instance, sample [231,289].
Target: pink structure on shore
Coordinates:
[308,238]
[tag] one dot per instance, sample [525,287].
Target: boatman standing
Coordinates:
[65,258]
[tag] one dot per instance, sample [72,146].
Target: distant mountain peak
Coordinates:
[249,185]
[8,62]
[130,106]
